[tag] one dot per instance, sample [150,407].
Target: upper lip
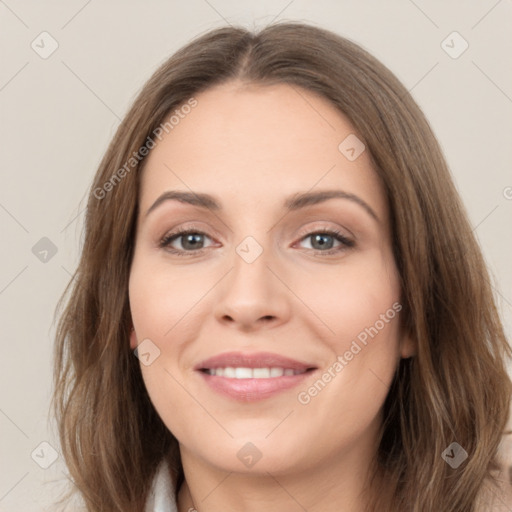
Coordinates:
[252,360]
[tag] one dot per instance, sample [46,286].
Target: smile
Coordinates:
[249,377]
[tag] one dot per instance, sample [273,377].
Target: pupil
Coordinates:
[191,241]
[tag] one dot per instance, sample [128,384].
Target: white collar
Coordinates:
[162,496]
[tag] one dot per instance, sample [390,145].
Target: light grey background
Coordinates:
[59,113]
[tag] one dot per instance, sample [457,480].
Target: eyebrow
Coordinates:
[293,203]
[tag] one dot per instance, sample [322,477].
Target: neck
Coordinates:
[338,484]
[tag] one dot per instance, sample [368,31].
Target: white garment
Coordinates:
[162,496]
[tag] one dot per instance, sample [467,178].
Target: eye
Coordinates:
[323,241]
[191,241]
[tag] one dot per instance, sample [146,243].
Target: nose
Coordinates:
[253,295]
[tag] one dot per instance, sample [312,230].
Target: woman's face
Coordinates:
[269,343]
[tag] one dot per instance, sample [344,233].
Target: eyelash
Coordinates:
[167,239]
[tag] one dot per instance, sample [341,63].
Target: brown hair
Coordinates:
[456,388]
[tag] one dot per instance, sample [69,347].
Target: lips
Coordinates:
[251,377]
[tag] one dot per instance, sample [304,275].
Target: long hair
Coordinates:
[455,389]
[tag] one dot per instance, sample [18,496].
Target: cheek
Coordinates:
[159,304]
[167,395]
[353,297]
[347,396]
[161,301]
[359,305]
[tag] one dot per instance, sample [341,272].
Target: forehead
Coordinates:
[257,144]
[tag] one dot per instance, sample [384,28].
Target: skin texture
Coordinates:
[253,147]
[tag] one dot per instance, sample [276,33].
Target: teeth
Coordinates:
[276,372]
[243,373]
[261,373]
[253,373]
[228,372]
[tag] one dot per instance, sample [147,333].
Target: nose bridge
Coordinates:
[251,262]
[251,293]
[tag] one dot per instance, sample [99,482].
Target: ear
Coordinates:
[408,346]
[133,339]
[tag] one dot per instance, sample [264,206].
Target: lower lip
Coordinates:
[251,390]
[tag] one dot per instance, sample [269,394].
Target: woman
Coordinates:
[280,303]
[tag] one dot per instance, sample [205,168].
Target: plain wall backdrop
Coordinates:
[69,71]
